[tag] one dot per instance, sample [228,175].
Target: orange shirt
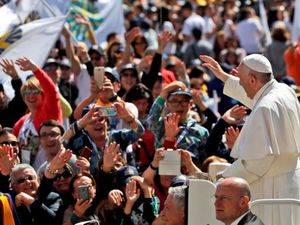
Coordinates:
[292,61]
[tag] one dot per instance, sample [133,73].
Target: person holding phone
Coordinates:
[83,189]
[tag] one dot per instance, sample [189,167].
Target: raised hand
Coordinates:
[235,114]
[158,155]
[231,136]
[132,34]
[26,64]
[83,164]
[7,159]
[9,68]
[171,126]
[115,198]
[132,192]
[80,19]
[171,88]
[147,189]
[60,160]
[214,66]
[81,206]
[163,40]
[197,98]
[123,113]
[111,154]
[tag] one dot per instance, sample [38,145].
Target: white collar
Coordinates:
[261,91]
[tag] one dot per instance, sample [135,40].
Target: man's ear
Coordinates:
[253,79]
[117,86]
[244,202]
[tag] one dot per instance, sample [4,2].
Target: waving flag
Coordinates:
[33,40]
[106,16]
[14,13]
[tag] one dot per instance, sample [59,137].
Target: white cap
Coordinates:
[258,63]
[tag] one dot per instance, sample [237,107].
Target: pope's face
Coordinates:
[246,80]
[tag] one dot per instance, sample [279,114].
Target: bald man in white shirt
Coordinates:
[268,147]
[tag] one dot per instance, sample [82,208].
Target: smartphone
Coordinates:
[99,76]
[107,111]
[86,152]
[83,192]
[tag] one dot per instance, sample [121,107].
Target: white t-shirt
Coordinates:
[249,33]
[83,83]
[209,26]
[193,21]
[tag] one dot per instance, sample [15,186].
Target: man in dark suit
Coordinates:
[232,199]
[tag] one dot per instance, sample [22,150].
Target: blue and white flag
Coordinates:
[33,40]
[14,13]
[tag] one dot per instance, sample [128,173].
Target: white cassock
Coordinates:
[268,148]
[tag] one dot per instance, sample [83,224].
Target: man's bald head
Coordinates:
[232,199]
[239,184]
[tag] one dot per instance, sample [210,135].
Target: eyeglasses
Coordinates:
[23,179]
[179,103]
[51,134]
[66,174]
[128,74]
[12,143]
[31,91]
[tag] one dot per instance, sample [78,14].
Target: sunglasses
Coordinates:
[23,179]
[51,134]
[66,174]
[31,92]
[12,143]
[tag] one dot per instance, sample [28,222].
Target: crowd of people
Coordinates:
[196,77]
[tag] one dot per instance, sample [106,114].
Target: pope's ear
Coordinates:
[253,78]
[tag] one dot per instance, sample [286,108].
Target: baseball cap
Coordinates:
[124,175]
[96,49]
[65,62]
[112,74]
[51,61]
[258,63]
[180,92]
[129,66]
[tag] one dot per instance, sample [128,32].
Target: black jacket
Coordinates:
[250,219]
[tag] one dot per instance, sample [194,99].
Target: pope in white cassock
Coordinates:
[268,147]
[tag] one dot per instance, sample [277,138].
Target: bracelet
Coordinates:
[153,167]
[52,172]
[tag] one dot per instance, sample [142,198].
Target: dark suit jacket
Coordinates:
[250,219]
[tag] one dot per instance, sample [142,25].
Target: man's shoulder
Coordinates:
[250,219]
